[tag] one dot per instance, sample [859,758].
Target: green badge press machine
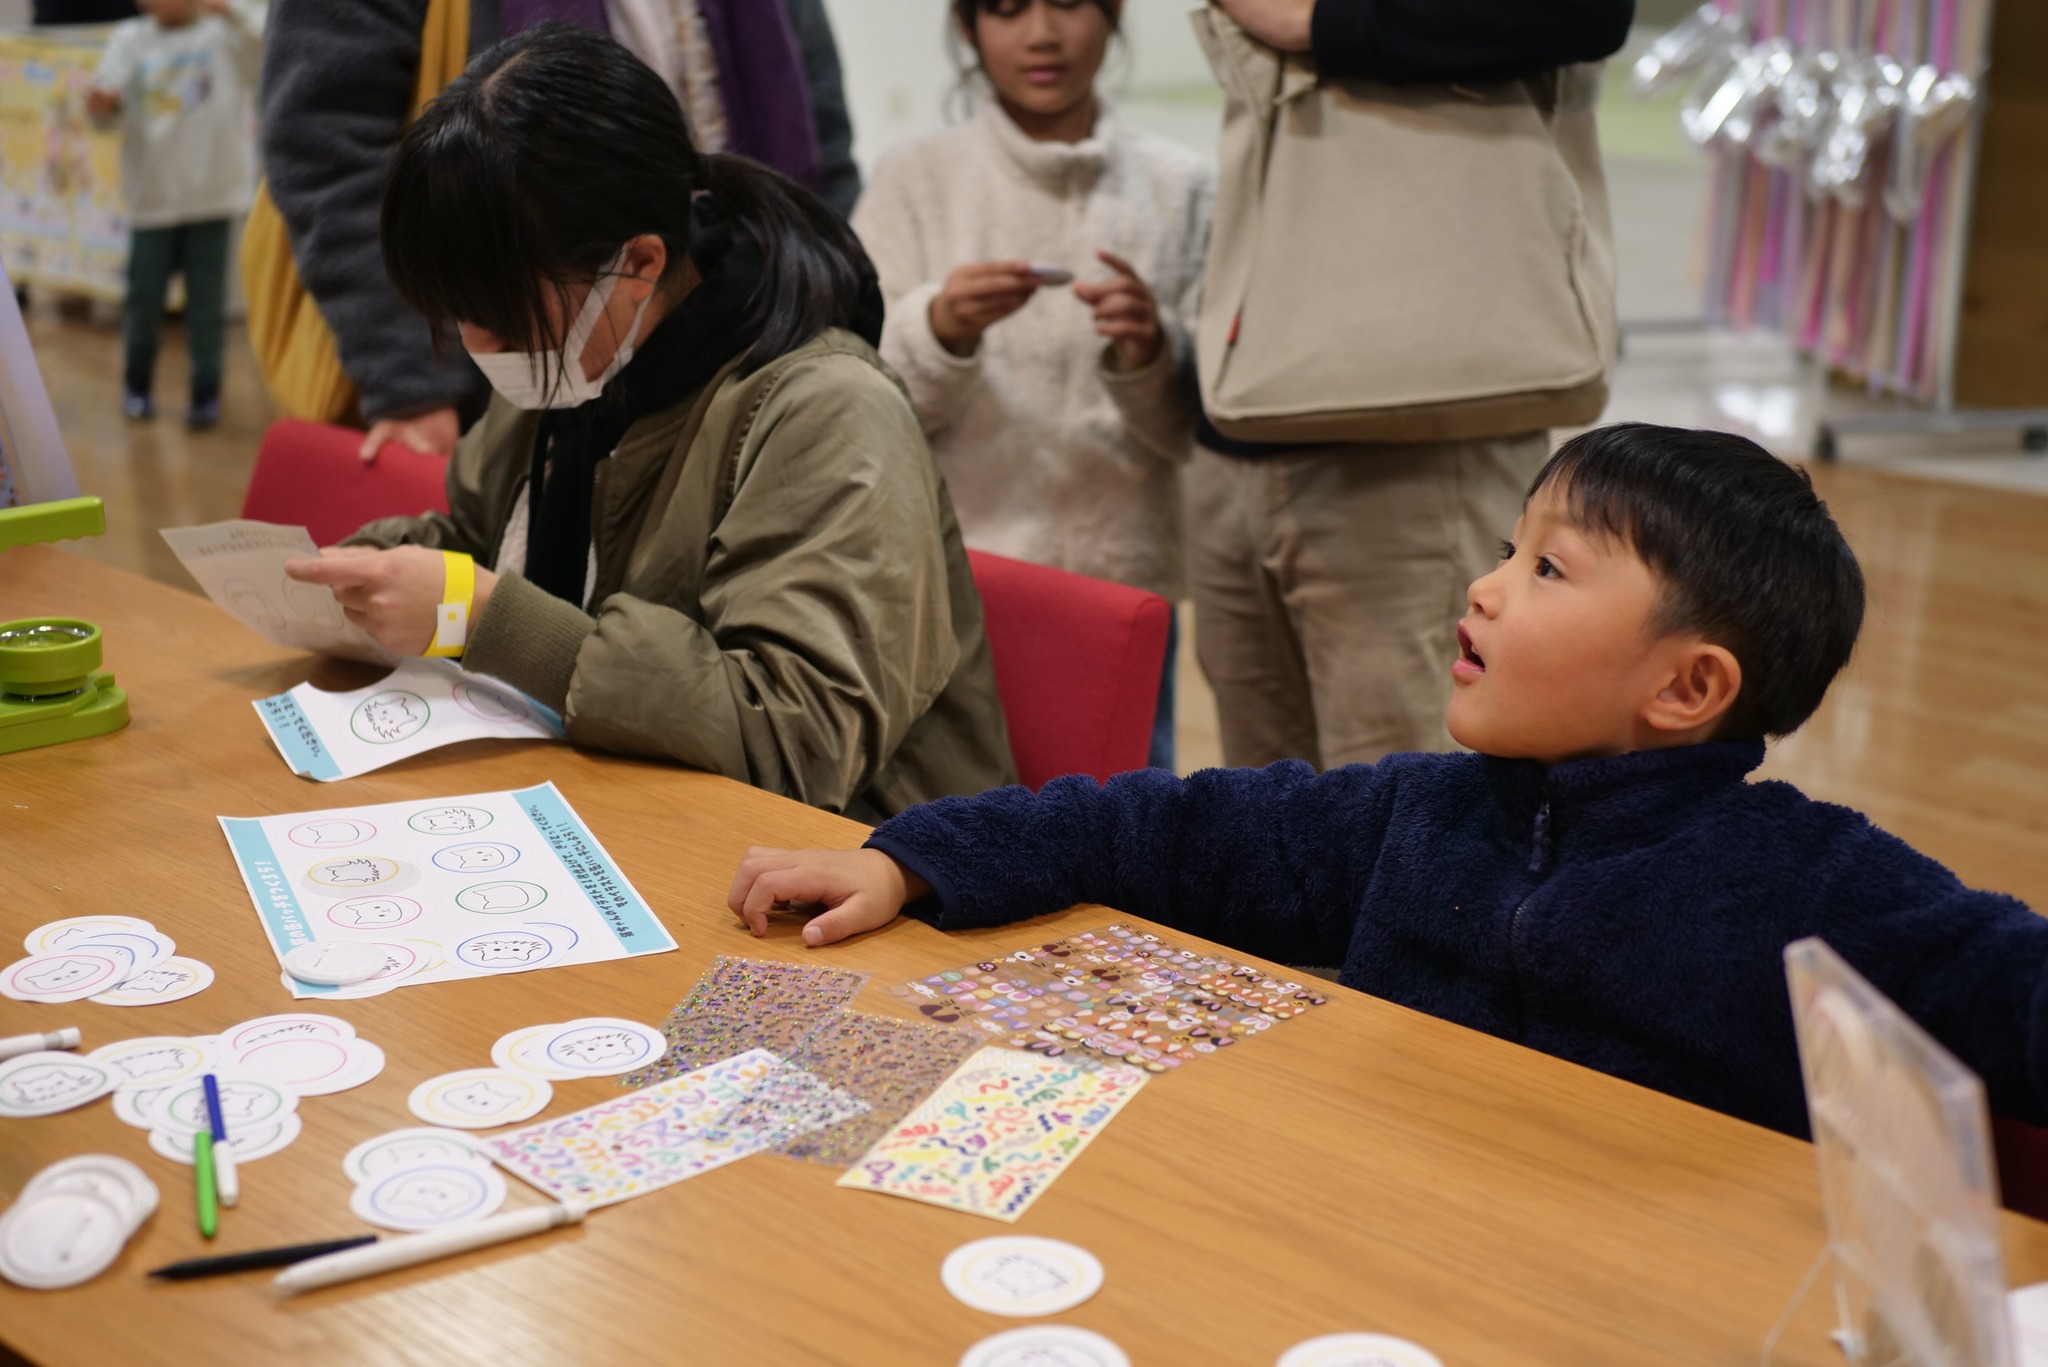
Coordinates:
[51,685]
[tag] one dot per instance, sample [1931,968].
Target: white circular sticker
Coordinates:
[60,1238]
[1045,1345]
[1358,1350]
[116,1181]
[173,979]
[1015,1274]
[250,1142]
[315,1067]
[290,1025]
[429,1196]
[73,929]
[479,1098]
[246,1103]
[49,1081]
[153,1060]
[416,1147]
[64,975]
[595,1046]
[335,963]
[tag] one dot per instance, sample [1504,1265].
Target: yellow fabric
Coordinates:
[458,601]
[293,345]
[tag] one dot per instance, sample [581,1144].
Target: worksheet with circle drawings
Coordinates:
[472,886]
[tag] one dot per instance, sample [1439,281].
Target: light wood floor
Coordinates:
[1939,729]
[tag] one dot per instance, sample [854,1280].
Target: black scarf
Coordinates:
[680,356]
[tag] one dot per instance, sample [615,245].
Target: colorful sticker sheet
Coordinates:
[673,1130]
[889,1064]
[993,1137]
[458,887]
[1119,993]
[743,1004]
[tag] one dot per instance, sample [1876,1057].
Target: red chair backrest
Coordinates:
[2022,1151]
[307,473]
[1077,666]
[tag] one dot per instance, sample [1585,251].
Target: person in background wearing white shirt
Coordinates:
[1060,412]
[180,78]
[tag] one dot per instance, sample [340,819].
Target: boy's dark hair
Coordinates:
[530,170]
[1747,552]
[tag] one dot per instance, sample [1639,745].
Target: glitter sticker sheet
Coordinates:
[1119,993]
[889,1064]
[996,1133]
[676,1129]
[742,1004]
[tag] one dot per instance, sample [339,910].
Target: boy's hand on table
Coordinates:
[860,889]
[393,595]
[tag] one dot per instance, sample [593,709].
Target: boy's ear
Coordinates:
[1702,687]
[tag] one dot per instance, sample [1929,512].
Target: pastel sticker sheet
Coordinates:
[422,705]
[62,964]
[449,888]
[887,1063]
[673,1130]
[743,1004]
[1116,993]
[240,564]
[994,1135]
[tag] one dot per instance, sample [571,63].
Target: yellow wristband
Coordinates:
[458,595]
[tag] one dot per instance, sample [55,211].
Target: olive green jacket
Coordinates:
[781,592]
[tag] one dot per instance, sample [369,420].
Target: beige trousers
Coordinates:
[1328,585]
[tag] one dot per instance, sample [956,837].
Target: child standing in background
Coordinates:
[181,76]
[1060,422]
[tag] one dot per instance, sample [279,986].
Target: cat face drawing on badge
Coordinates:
[426,1197]
[63,974]
[446,821]
[41,1086]
[359,871]
[481,1098]
[155,980]
[593,1050]
[506,949]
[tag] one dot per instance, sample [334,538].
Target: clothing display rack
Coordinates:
[1872,203]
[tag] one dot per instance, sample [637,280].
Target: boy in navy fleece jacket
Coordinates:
[1599,881]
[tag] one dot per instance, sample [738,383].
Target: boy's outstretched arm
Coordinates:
[1272,861]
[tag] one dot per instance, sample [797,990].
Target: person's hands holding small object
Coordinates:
[1125,312]
[394,595]
[859,889]
[977,296]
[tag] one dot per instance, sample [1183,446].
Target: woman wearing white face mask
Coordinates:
[700,519]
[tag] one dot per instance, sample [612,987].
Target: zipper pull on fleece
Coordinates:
[1539,844]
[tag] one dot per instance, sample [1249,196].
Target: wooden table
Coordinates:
[1360,1168]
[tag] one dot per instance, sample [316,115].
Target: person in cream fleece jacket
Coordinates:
[1041,264]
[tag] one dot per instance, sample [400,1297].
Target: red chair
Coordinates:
[307,473]
[2022,1152]
[1077,663]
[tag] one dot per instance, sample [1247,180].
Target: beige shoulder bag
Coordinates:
[1402,263]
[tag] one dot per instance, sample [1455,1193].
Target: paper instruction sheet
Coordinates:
[459,887]
[240,564]
[420,706]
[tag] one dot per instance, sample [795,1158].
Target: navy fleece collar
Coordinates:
[1614,802]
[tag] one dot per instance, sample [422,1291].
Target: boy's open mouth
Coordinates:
[1466,654]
